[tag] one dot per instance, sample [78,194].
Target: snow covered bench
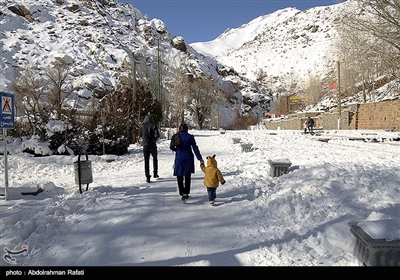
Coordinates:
[246,147]
[236,140]
[279,167]
[376,251]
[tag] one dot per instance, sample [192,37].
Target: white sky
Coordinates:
[297,219]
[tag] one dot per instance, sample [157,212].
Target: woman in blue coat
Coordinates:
[184,160]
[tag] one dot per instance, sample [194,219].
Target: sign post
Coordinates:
[6,121]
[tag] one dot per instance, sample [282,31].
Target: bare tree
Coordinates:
[260,74]
[385,26]
[314,91]
[113,111]
[29,91]
[360,64]
[203,93]
[59,87]
[372,28]
[179,82]
[150,72]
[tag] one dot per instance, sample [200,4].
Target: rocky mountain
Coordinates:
[100,39]
[286,50]
[287,45]
[97,38]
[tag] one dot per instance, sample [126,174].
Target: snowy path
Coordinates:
[296,219]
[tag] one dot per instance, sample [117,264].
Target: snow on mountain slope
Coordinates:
[288,44]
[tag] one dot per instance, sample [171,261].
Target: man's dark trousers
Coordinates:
[153,153]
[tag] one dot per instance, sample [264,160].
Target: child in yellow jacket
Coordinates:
[212,178]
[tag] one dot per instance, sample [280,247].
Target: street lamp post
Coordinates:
[339,98]
[159,80]
[133,94]
[217,105]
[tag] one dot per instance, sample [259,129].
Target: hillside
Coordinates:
[291,47]
[288,44]
[99,40]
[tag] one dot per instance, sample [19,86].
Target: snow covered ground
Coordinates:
[296,219]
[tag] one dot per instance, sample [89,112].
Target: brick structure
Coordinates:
[367,116]
[380,115]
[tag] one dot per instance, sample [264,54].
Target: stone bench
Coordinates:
[279,167]
[246,147]
[236,140]
[374,252]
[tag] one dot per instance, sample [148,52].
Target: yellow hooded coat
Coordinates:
[213,175]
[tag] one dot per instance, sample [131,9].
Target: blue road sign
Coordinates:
[6,110]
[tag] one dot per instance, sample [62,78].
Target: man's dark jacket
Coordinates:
[310,122]
[149,132]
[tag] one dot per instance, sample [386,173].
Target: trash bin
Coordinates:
[279,167]
[83,172]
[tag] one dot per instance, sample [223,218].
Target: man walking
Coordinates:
[149,132]
[310,124]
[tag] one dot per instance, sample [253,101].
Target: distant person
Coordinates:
[310,124]
[184,160]
[305,126]
[150,134]
[212,178]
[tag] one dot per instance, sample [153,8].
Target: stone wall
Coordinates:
[368,116]
[380,115]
